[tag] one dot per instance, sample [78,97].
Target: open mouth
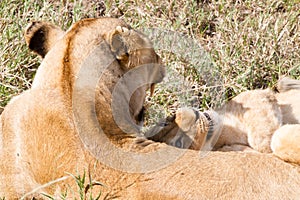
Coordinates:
[139,116]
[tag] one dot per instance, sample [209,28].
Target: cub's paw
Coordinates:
[286,143]
[202,127]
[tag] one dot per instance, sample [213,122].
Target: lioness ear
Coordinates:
[118,44]
[41,36]
[131,47]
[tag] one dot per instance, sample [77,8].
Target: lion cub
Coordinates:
[258,120]
[188,129]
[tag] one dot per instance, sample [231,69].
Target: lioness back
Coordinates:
[39,141]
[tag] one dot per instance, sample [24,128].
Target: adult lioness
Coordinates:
[50,129]
[262,120]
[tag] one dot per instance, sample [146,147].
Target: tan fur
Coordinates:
[197,128]
[254,120]
[186,118]
[263,117]
[285,143]
[255,115]
[40,142]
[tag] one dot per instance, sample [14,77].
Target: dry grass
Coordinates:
[251,45]
[17,64]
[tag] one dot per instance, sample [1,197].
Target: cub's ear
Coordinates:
[41,36]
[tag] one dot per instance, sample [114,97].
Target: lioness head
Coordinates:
[104,50]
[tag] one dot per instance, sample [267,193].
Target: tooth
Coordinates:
[152,87]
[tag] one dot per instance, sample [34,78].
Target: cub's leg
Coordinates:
[261,117]
[286,143]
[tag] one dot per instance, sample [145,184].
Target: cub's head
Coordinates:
[105,56]
[188,129]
